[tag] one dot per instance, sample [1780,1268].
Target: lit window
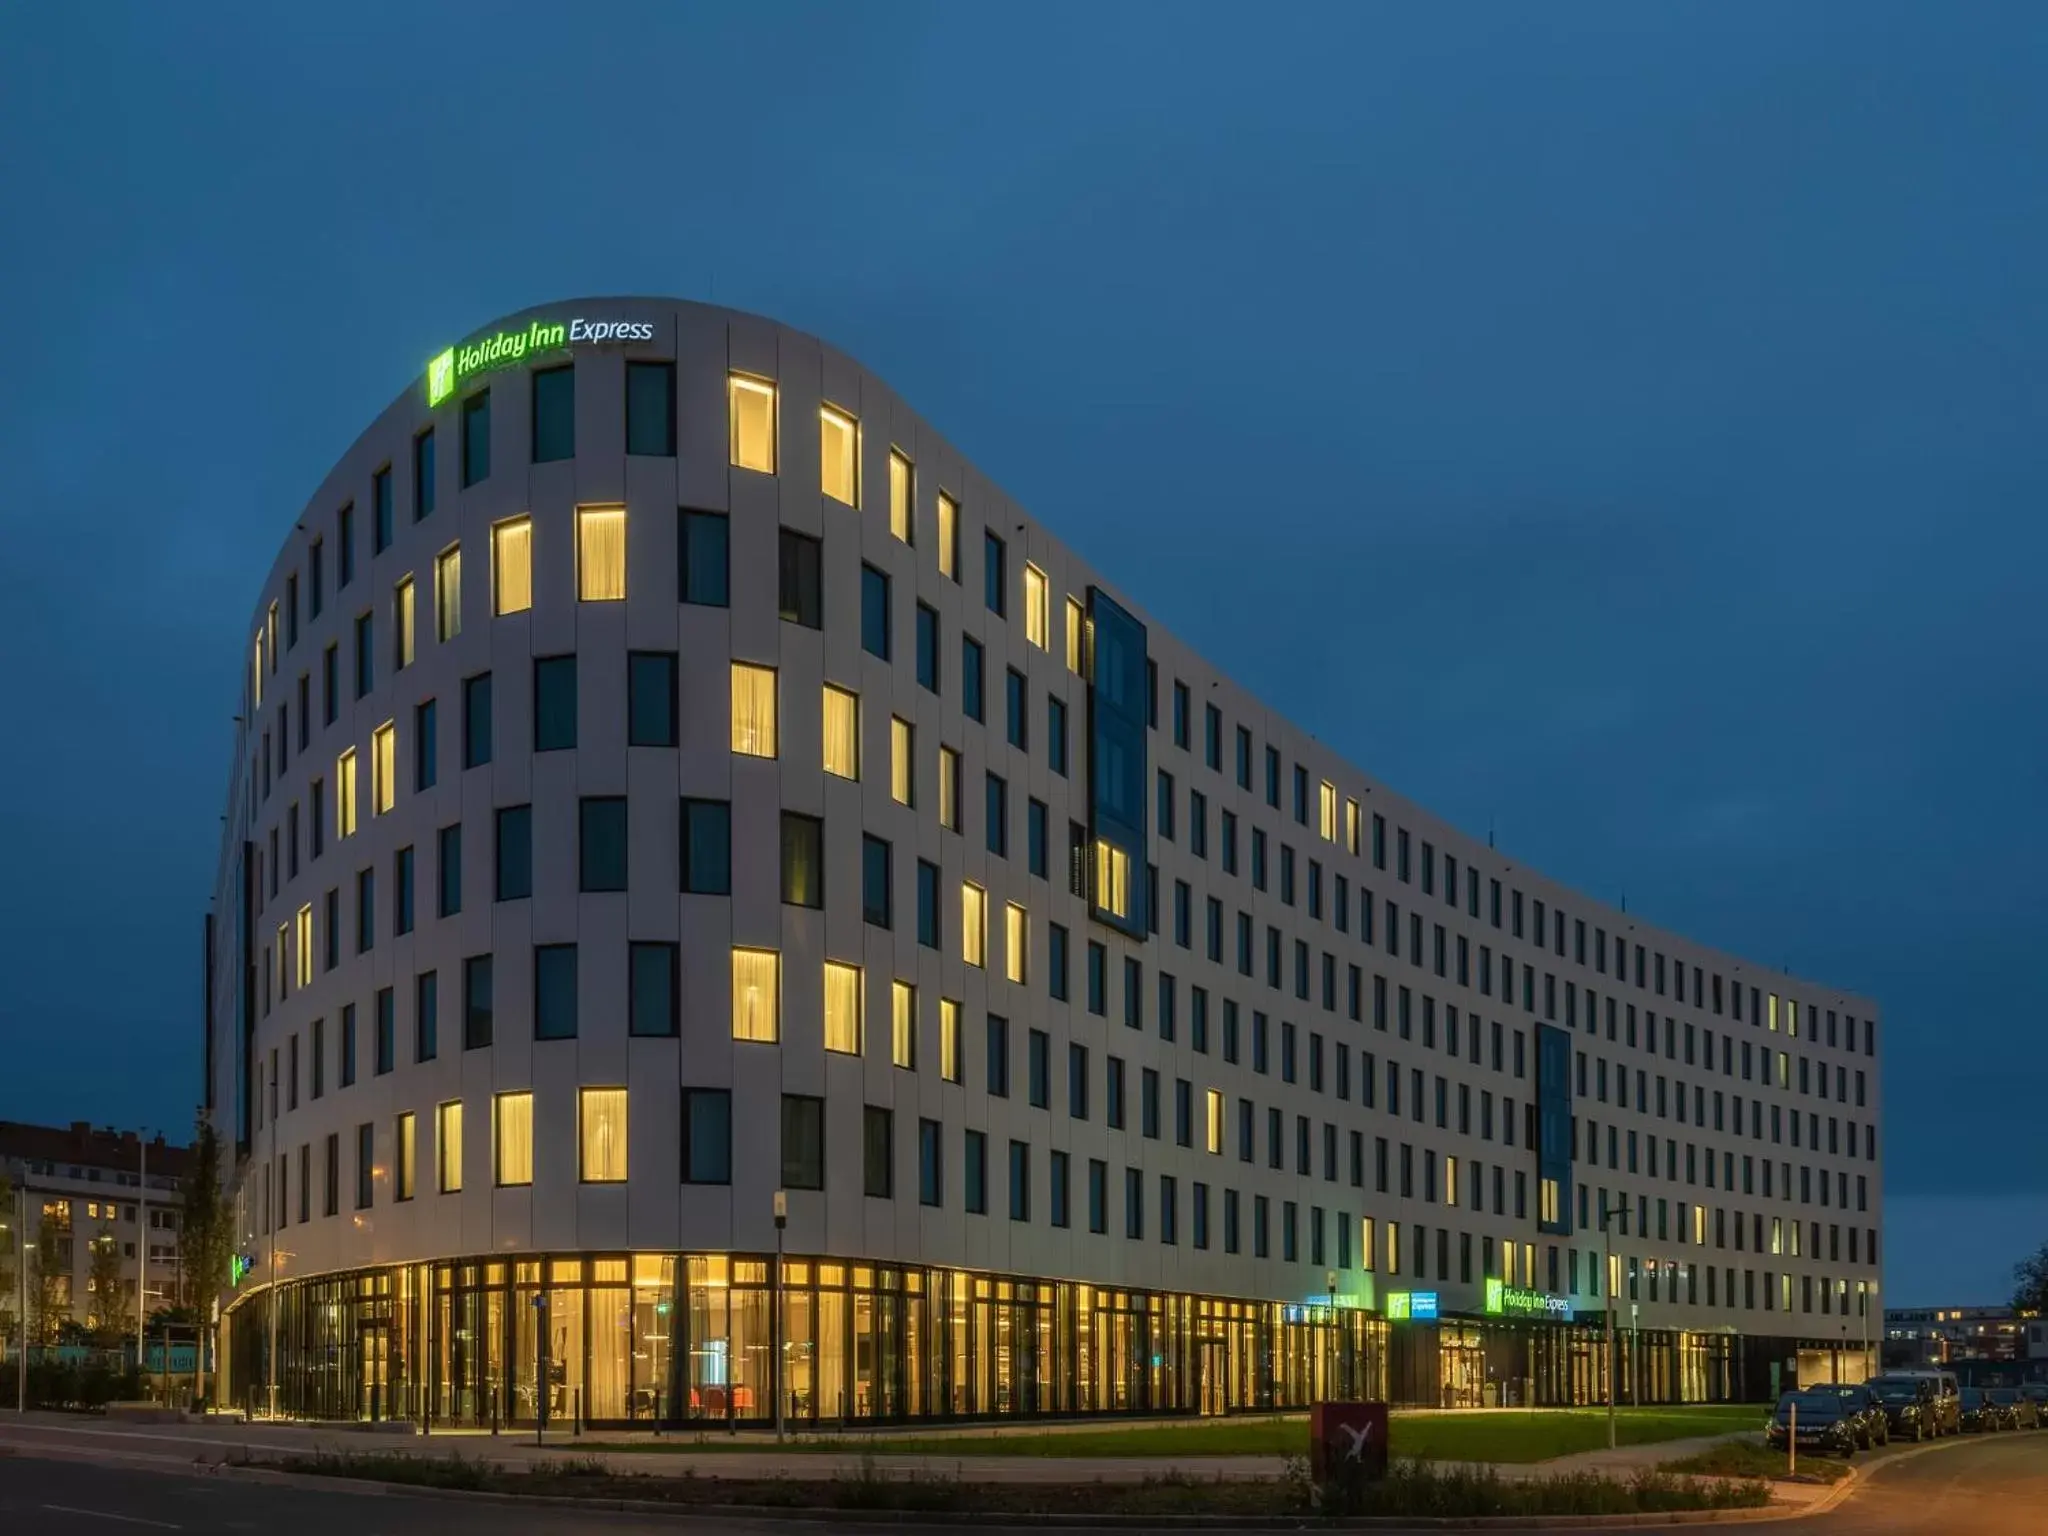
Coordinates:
[973,924]
[842,1008]
[448,1146]
[1394,1249]
[1699,1224]
[448,594]
[512,565]
[1076,627]
[902,762]
[1037,608]
[602,1112]
[756,1007]
[1774,1012]
[1329,812]
[601,554]
[1351,824]
[1112,879]
[383,768]
[753,710]
[512,1133]
[345,794]
[838,455]
[1016,941]
[752,403]
[842,733]
[950,1064]
[903,1024]
[405,1150]
[901,486]
[949,536]
[256,680]
[1791,1013]
[401,621]
[1451,1187]
[303,938]
[949,789]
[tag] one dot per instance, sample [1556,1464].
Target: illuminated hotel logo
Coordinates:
[446,373]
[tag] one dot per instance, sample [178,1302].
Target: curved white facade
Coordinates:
[1263,902]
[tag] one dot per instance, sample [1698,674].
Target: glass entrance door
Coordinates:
[374,1403]
[1212,1368]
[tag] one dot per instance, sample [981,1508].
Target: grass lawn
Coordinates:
[1510,1435]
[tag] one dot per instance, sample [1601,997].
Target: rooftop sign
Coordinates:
[446,373]
[1506,1300]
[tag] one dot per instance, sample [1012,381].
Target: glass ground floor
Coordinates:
[695,1339]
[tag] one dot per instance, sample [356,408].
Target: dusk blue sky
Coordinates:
[1621,423]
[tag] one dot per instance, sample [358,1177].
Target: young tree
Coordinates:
[48,1307]
[207,1238]
[10,1295]
[103,1279]
[2030,1282]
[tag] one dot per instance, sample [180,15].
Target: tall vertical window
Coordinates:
[405,1155]
[949,537]
[512,565]
[345,794]
[426,745]
[448,1147]
[702,558]
[902,761]
[381,504]
[803,860]
[803,1142]
[1037,608]
[423,469]
[874,612]
[476,720]
[402,635]
[707,1136]
[876,881]
[651,699]
[602,1132]
[952,1059]
[842,1008]
[973,924]
[838,455]
[554,703]
[902,491]
[1327,820]
[751,404]
[651,974]
[476,449]
[799,579]
[1016,941]
[601,554]
[601,843]
[756,995]
[995,574]
[448,594]
[949,789]
[903,1024]
[345,537]
[842,733]
[448,871]
[971,677]
[753,710]
[477,1019]
[366,656]
[512,1138]
[383,768]
[706,854]
[554,414]
[554,991]
[302,945]
[651,409]
[514,850]
[1077,629]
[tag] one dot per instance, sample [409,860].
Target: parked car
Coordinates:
[1825,1424]
[1977,1413]
[1866,1415]
[2016,1410]
[1942,1395]
[2036,1392]
[1909,1406]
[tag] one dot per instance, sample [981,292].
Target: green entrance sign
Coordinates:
[1504,1300]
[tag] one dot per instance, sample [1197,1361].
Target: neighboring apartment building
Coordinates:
[1944,1335]
[671,780]
[87,1183]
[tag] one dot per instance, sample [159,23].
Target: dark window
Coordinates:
[931,1172]
[345,536]
[803,1142]
[426,746]
[1035,837]
[706,854]
[476,720]
[476,1002]
[366,674]
[998,809]
[554,414]
[1038,1068]
[927,904]
[803,860]
[366,1166]
[401,915]
[1017,697]
[874,612]
[330,684]
[652,971]
[877,1147]
[651,409]
[382,502]
[995,582]
[386,1032]
[970,677]
[799,582]
[1056,734]
[651,699]
[998,1057]
[707,1136]
[426,1016]
[601,861]
[875,881]
[701,558]
[448,871]
[1020,1181]
[927,648]
[515,852]
[554,991]
[977,1173]
[554,703]
[366,910]
[423,467]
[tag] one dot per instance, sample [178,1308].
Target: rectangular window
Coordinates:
[651,699]
[927,648]
[753,710]
[931,1184]
[345,533]
[756,988]
[878,1137]
[345,794]
[874,612]
[994,574]
[1016,695]
[707,1136]
[601,1115]
[448,1147]
[554,991]
[601,843]
[949,789]
[366,661]
[476,720]
[970,677]
[838,455]
[927,904]
[448,594]
[383,768]
[512,1139]
[554,703]
[902,761]
[1020,1181]
[949,537]
[903,1025]
[996,804]
[1077,629]
[601,554]
[382,503]
[366,1166]
[514,852]
[799,579]
[952,1051]
[842,733]
[842,1008]
[803,860]
[554,414]
[702,555]
[706,854]
[1016,942]
[477,1023]
[1056,735]
[402,907]
[973,924]
[976,1159]
[651,409]
[1037,608]
[902,497]
[803,1142]
[653,971]
[751,405]
[876,880]
[476,452]
[512,565]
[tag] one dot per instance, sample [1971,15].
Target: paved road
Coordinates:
[1996,1485]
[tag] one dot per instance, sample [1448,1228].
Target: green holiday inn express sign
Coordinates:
[446,373]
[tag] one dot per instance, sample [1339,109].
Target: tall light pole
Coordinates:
[21,1293]
[142,1248]
[1607,1215]
[775,1365]
[270,1221]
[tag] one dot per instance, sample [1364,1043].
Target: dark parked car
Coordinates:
[1978,1413]
[1942,1393]
[2036,1392]
[1866,1415]
[1826,1424]
[2015,1409]
[1909,1406]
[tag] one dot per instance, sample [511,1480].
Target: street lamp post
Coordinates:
[21,1300]
[270,1208]
[776,1366]
[1607,1215]
[142,1249]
